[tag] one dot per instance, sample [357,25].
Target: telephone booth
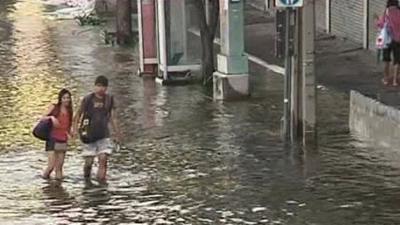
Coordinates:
[179,49]
[147,37]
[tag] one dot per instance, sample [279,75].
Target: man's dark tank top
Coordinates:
[99,112]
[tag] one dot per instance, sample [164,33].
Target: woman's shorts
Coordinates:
[392,50]
[53,145]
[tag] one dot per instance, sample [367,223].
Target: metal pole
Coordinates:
[207,8]
[366,24]
[328,16]
[295,98]
[141,42]
[288,71]
[163,37]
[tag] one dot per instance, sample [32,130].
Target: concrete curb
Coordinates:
[373,120]
[257,6]
[274,68]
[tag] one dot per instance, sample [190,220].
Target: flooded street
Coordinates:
[186,159]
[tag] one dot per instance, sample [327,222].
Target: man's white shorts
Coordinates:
[101,146]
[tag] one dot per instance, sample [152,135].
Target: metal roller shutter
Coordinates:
[347,19]
[320,14]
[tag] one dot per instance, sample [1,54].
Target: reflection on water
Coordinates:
[186,159]
[32,74]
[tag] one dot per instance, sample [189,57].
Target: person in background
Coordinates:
[391,17]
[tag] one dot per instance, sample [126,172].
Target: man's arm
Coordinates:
[114,125]
[77,119]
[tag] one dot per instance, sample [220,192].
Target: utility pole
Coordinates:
[299,119]
[308,87]
[289,41]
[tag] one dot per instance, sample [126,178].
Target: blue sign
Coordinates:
[289,3]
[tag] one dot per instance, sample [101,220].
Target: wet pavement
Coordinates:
[186,159]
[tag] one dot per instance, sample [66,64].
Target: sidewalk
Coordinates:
[340,64]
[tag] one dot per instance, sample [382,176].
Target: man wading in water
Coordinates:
[96,113]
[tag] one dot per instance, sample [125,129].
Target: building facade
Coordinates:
[355,19]
[350,19]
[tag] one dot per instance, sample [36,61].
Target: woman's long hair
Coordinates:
[57,108]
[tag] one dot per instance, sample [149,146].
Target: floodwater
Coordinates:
[185,158]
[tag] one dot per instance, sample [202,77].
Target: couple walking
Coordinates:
[92,120]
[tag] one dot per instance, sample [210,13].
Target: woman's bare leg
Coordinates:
[50,165]
[59,163]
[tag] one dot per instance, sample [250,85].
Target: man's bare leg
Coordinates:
[87,168]
[102,171]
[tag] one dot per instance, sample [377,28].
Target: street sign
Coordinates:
[289,3]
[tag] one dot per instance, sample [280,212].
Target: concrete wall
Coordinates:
[373,120]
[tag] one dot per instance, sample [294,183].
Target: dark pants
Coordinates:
[392,50]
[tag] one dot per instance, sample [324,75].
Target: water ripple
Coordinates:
[186,159]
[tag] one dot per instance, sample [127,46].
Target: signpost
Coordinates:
[289,3]
[299,108]
[290,21]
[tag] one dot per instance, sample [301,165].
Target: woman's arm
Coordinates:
[380,21]
[47,113]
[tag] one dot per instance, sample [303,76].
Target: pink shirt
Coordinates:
[61,133]
[392,16]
